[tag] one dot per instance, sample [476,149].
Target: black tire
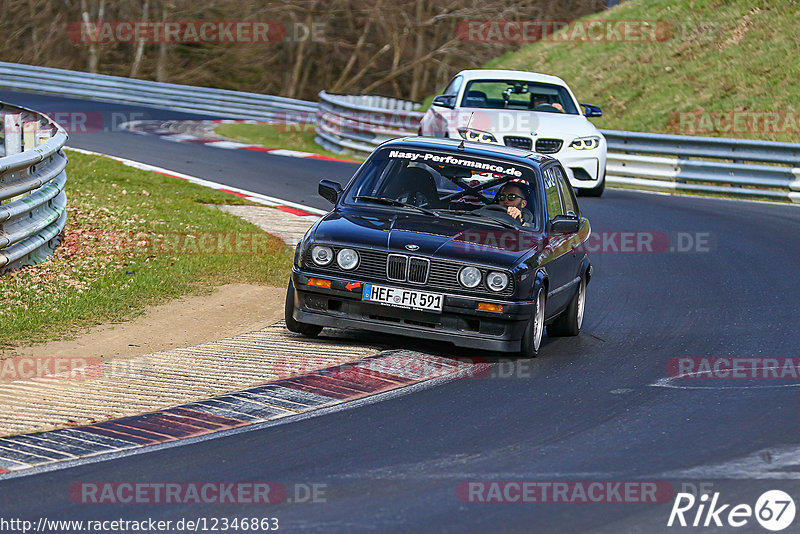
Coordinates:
[532,338]
[570,321]
[595,191]
[308,330]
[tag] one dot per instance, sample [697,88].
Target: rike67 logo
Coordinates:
[774,510]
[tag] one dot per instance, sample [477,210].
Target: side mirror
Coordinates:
[330,190]
[445,101]
[564,224]
[592,111]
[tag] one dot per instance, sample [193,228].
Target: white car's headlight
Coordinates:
[585,143]
[497,281]
[477,136]
[322,255]
[347,259]
[469,277]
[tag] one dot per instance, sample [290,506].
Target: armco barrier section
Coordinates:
[737,167]
[217,102]
[33,204]
[361,122]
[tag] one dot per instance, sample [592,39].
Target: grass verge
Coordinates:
[286,136]
[713,61]
[133,239]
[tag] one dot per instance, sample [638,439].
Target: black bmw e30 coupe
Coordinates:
[418,244]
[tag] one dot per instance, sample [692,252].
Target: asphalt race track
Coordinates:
[597,407]
[96,127]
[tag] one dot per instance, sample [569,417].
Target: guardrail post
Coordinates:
[42,136]
[794,187]
[12,133]
[29,134]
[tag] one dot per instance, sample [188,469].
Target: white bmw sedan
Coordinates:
[525,110]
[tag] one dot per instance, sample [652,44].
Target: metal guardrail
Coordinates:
[674,163]
[361,122]
[738,167]
[219,102]
[33,204]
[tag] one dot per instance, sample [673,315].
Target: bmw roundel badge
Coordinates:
[412,246]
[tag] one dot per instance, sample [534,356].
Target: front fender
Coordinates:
[586,269]
[540,280]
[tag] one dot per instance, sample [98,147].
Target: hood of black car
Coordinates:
[450,238]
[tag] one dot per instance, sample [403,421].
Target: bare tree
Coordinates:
[137,57]
[89,19]
[405,48]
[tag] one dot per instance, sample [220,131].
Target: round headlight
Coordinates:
[469,277]
[497,281]
[347,259]
[322,255]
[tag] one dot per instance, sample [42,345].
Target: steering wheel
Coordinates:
[417,198]
[545,107]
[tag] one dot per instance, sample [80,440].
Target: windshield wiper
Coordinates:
[394,202]
[484,215]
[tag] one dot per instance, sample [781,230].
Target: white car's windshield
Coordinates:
[516,94]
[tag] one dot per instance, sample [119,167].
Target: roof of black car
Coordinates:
[470,148]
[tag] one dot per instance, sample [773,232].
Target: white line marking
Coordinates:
[226,144]
[668,382]
[773,463]
[255,197]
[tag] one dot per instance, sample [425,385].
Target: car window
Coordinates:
[516,94]
[551,194]
[454,85]
[567,199]
[451,182]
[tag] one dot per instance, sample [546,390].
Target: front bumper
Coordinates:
[581,171]
[460,323]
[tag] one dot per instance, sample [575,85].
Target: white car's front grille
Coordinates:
[548,146]
[524,143]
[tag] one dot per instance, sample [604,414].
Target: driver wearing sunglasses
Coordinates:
[512,197]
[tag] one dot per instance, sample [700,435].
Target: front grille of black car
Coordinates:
[524,143]
[548,146]
[418,270]
[396,267]
[438,274]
